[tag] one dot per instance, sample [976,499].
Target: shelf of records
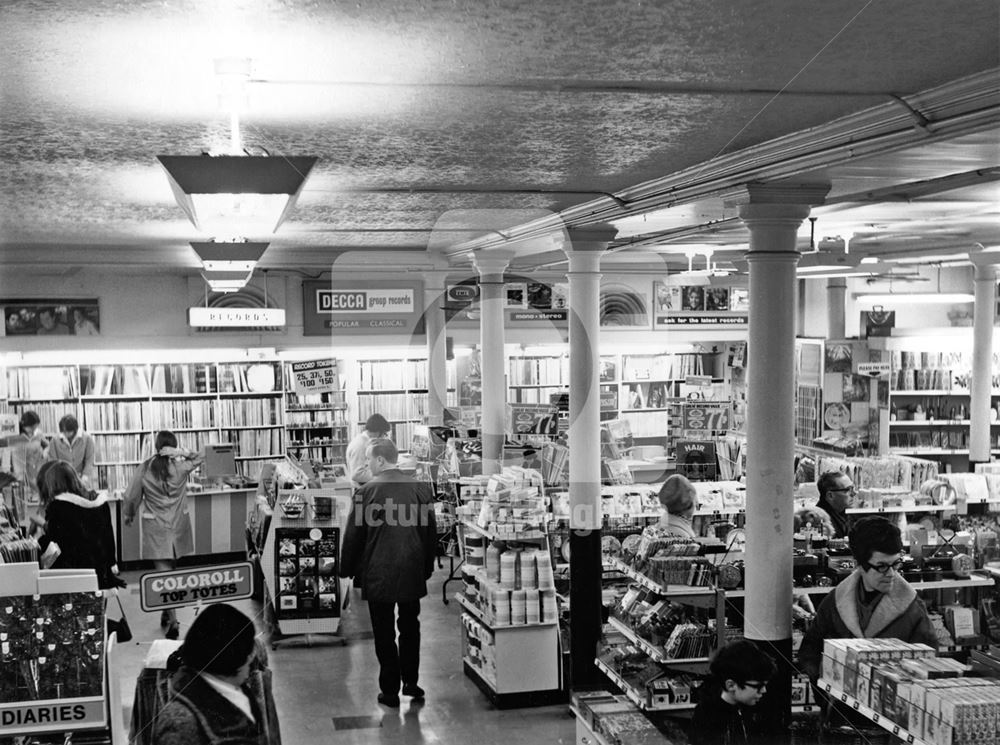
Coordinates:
[52,651]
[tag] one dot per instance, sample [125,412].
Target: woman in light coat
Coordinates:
[159,488]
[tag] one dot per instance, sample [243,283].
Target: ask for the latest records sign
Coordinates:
[698,305]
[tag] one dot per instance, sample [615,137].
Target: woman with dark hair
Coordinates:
[159,485]
[212,698]
[78,532]
[873,602]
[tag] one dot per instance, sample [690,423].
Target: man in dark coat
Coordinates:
[389,548]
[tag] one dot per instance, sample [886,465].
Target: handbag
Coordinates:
[120,626]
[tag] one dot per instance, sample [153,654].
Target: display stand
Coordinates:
[514,664]
[55,659]
[300,561]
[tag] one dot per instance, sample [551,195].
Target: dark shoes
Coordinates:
[173,631]
[391,701]
[414,691]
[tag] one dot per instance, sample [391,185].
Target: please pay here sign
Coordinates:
[196,585]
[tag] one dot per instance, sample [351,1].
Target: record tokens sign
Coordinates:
[361,307]
[316,376]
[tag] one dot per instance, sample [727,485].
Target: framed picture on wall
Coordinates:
[51,317]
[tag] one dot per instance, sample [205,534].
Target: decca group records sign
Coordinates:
[361,307]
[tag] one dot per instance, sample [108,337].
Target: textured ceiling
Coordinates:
[417,108]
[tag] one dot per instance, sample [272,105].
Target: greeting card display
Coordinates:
[51,662]
[306,564]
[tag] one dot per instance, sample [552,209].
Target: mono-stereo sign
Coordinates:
[362,307]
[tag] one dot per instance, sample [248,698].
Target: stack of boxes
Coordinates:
[508,583]
[907,685]
[616,720]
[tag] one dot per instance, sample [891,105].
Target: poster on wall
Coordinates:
[51,317]
[362,307]
[698,305]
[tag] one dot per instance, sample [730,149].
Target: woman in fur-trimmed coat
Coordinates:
[78,532]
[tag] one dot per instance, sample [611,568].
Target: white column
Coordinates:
[773,215]
[491,266]
[437,351]
[982,361]
[836,294]
[584,254]
[584,249]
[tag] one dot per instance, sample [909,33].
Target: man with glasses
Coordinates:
[725,715]
[873,602]
[836,490]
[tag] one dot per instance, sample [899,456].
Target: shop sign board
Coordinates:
[201,317]
[542,419]
[196,586]
[526,303]
[698,305]
[874,369]
[55,715]
[704,319]
[705,416]
[362,307]
[315,376]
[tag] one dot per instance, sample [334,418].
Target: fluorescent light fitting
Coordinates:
[236,194]
[229,256]
[916,298]
[929,259]
[226,281]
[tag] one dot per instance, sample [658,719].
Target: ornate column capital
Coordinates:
[492,264]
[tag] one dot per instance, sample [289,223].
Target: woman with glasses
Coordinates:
[873,602]
[836,490]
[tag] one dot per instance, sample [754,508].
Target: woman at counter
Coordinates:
[159,487]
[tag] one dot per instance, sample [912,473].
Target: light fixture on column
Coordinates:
[236,195]
[239,255]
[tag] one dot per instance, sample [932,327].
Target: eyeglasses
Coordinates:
[755,685]
[845,488]
[885,568]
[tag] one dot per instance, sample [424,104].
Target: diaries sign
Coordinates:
[360,307]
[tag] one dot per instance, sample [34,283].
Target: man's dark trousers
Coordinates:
[400,663]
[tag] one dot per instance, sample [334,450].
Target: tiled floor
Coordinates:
[325,692]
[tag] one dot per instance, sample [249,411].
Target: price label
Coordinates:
[318,376]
